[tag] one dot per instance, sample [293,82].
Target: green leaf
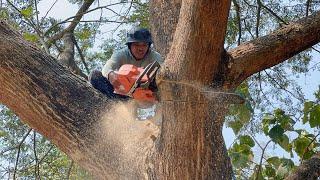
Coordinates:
[2,133]
[235,125]
[315,117]
[283,141]
[288,163]
[265,128]
[255,175]
[240,160]
[306,110]
[308,154]
[268,119]
[276,132]
[243,89]
[300,145]
[85,34]
[30,37]
[247,140]
[281,171]
[242,148]
[27,13]
[286,122]
[242,115]
[4,13]
[279,112]
[270,171]
[317,93]
[275,161]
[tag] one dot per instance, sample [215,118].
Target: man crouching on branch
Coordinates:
[138,53]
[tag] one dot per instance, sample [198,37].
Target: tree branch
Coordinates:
[85,6]
[254,56]
[262,156]
[200,36]
[237,8]
[309,169]
[44,17]
[308,7]
[18,153]
[258,18]
[90,128]
[36,167]
[69,170]
[271,12]
[67,55]
[81,55]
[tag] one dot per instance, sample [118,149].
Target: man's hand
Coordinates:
[114,80]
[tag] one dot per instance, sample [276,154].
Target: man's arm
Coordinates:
[111,65]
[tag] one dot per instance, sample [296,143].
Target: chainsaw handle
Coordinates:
[116,81]
[112,77]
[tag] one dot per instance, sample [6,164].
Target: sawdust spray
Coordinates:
[134,139]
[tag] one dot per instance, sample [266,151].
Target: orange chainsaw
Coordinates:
[135,81]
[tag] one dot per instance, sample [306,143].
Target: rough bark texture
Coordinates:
[309,169]
[66,57]
[69,112]
[163,25]
[191,144]
[264,52]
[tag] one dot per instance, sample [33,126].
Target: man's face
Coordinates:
[139,49]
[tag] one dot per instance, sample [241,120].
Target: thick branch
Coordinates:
[201,30]
[95,132]
[310,169]
[163,25]
[74,23]
[67,55]
[267,51]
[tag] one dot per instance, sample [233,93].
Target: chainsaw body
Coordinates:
[135,81]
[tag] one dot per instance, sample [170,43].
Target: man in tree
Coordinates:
[138,52]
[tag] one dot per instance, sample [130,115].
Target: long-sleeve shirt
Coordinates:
[124,56]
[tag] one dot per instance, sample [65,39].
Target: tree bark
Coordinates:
[191,144]
[272,49]
[95,132]
[163,25]
[309,169]
[66,57]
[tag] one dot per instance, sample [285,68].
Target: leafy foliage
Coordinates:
[276,109]
[19,147]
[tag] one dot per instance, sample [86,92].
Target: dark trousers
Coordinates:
[102,84]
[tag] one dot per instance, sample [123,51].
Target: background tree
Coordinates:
[258,18]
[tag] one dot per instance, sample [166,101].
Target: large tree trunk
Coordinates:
[191,145]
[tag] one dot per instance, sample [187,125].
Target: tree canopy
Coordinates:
[261,50]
